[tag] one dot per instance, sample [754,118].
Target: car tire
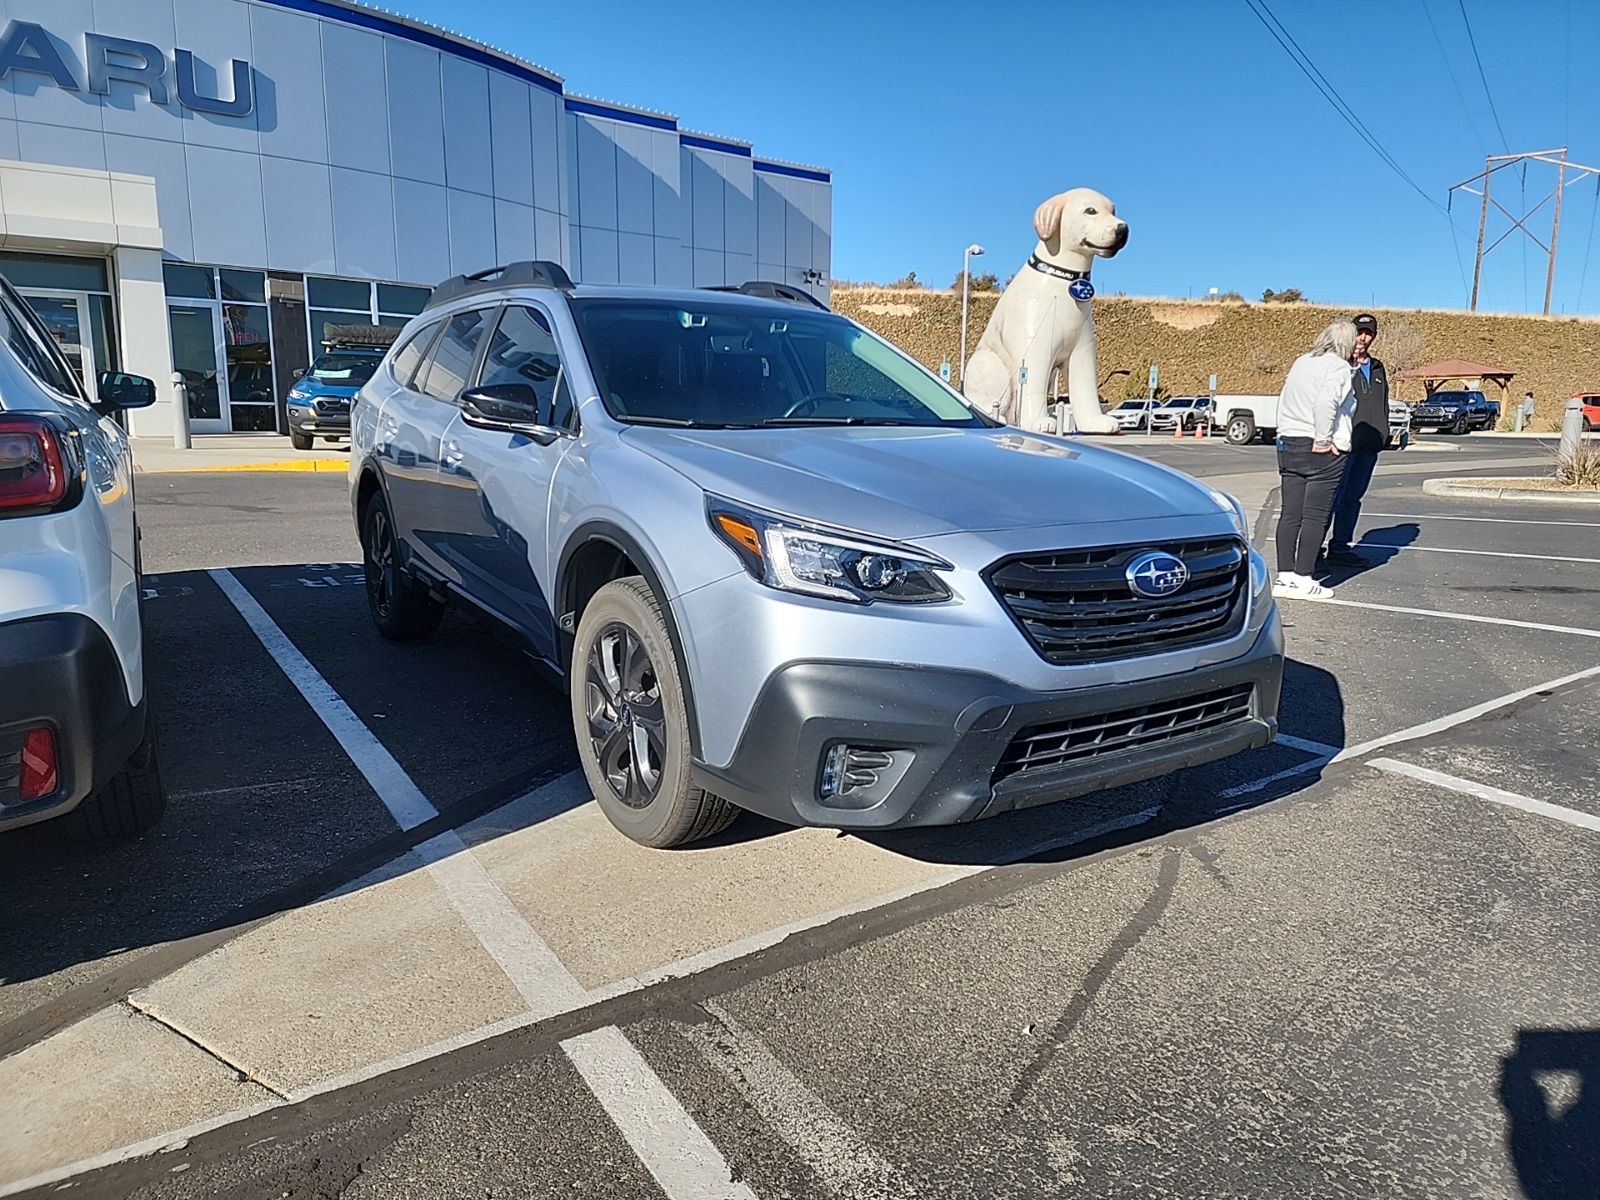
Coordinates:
[130,803]
[631,719]
[402,610]
[1241,430]
[301,441]
[1462,427]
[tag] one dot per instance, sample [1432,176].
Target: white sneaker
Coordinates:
[1290,586]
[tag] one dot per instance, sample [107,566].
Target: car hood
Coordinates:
[307,387]
[908,483]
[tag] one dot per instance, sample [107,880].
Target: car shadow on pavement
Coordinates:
[1550,1088]
[1377,548]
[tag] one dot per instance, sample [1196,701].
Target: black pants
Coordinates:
[1363,459]
[1309,482]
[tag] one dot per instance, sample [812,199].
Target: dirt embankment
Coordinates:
[1250,346]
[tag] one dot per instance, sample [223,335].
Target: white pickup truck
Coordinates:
[1245,418]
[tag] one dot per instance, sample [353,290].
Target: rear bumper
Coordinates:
[954,728]
[61,671]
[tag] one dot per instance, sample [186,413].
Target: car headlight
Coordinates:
[296,394]
[793,557]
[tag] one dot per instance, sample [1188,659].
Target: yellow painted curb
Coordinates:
[342,465]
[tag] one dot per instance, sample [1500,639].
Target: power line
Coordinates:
[1483,76]
[1291,47]
[1331,94]
[1584,278]
[1451,71]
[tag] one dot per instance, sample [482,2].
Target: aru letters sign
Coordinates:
[27,47]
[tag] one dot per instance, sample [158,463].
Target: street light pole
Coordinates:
[966,278]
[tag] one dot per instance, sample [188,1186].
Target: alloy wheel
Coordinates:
[380,566]
[627,723]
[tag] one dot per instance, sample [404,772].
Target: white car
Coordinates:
[77,738]
[1132,414]
[1187,411]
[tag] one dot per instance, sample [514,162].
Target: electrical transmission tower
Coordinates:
[1493,163]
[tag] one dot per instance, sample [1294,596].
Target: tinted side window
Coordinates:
[33,349]
[523,354]
[409,355]
[450,361]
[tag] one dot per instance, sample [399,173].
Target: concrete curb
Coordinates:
[342,465]
[1465,487]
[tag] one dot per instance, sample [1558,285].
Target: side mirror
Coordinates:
[506,408]
[122,391]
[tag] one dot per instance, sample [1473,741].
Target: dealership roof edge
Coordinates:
[381,20]
[595,107]
[368,16]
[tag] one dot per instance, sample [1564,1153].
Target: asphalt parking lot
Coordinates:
[384,946]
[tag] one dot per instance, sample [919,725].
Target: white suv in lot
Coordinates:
[77,738]
[778,565]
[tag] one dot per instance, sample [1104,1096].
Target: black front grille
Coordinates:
[1076,605]
[333,406]
[1088,737]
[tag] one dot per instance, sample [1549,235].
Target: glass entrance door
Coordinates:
[196,345]
[66,316]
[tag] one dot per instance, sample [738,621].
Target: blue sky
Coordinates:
[945,123]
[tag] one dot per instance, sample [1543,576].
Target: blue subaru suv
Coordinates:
[319,402]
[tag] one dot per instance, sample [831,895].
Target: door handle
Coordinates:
[452,456]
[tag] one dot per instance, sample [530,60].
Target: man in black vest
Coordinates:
[1369,436]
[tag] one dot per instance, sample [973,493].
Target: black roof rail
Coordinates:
[530,273]
[769,290]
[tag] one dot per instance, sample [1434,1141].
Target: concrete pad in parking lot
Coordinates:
[611,909]
[112,1079]
[384,967]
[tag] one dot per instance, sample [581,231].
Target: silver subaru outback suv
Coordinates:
[777,565]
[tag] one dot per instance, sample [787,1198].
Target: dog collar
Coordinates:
[1055,272]
[1078,285]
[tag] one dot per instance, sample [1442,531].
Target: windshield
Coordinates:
[727,366]
[342,370]
[1132,405]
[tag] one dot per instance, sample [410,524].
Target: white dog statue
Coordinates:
[1043,321]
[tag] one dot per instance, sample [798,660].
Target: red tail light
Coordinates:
[40,774]
[32,473]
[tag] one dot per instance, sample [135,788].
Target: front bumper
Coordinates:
[60,670]
[304,419]
[957,727]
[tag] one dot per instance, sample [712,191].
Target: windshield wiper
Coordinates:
[781,421]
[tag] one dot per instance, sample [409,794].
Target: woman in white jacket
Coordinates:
[1314,422]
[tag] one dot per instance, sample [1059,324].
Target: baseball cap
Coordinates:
[1368,322]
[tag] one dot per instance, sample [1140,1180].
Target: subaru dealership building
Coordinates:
[202,187]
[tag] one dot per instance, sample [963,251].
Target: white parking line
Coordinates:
[1494,795]
[1475,618]
[847,1166]
[1562,558]
[1426,729]
[1482,520]
[675,1150]
[1306,744]
[400,796]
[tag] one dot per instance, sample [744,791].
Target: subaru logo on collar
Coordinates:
[1155,574]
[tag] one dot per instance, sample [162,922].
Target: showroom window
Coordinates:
[222,346]
[72,296]
[357,302]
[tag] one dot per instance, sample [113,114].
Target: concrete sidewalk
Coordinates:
[238,452]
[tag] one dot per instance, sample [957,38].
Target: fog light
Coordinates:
[40,776]
[860,776]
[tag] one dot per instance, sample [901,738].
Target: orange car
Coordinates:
[1591,410]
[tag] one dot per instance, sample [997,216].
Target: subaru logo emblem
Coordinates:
[1155,574]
